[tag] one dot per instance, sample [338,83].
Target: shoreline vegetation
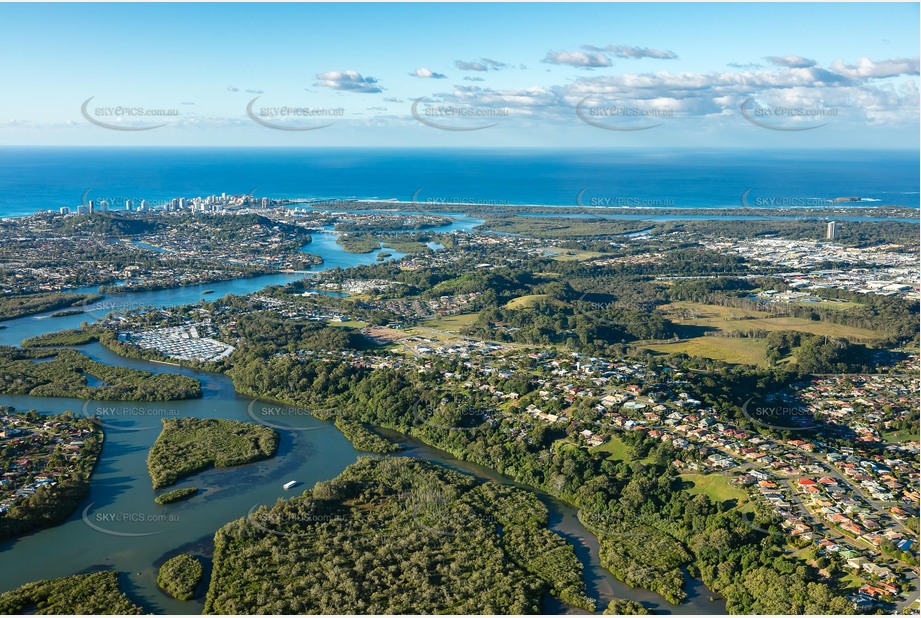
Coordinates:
[358,243]
[366,439]
[189,445]
[176,495]
[179,576]
[85,594]
[69,373]
[394,536]
[22,305]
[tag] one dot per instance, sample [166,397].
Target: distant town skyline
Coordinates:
[461,75]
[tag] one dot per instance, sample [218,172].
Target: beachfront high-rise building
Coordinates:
[64,210]
[831,231]
[91,206]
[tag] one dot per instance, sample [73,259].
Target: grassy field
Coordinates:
[524,301]
[451,323]
[349,324]
[716,487]
[837,305]
[728,319]
[615,448]
[571,255]
[902,435]
[730,349]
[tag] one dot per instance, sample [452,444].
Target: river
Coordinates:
[120,527]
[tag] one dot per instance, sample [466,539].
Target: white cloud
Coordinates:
[629,51]
[853,90]
[866,68]
[348,81]
[578,59]
[483,64]
[427,74]
[791,61]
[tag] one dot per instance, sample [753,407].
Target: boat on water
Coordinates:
[289,484]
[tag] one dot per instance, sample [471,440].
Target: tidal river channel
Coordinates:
[120,527]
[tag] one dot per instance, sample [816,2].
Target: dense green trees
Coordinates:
[28,304]
[176,495]
[66,375]
[625,607]
[394,535]
[74,336]
[190,445]
[364,439]
[180,575]
[90,593]
[677,528]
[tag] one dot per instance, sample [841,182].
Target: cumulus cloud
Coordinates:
[427,74]
[348,81]
[868,69]
[472,78]
[483,64]
[744,65]
[855,90]
[393,100]
[578,59]
[629,51]
[791,62]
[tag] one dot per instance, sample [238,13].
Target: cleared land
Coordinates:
[524,301]
[615,448]
[570,255]
[731,319]
[734,350]
[451,323]
[716,487]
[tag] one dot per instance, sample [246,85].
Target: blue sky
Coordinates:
[574,75]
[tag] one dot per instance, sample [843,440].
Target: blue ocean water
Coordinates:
[33,179]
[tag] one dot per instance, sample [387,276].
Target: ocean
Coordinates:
[33,179]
